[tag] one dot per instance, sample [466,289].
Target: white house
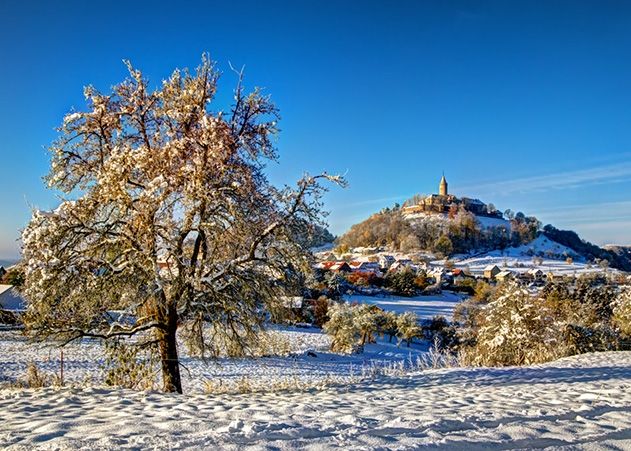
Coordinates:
[385,261]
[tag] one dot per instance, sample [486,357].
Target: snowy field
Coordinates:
[583,402]
[425,307]
[83,361]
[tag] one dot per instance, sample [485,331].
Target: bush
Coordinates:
[622,312]
[441,333]
[513,330]
[363,279]
[514,327]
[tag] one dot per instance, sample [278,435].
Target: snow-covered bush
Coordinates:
[622,312]
[343,328]
[568,317]
[514,329]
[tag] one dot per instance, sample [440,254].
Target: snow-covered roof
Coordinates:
[10,299]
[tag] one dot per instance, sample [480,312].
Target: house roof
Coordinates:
[10,299]
[504,273]
[490,267]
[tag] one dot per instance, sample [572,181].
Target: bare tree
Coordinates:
[167,218]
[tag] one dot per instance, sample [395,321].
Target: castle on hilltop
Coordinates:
[443,202]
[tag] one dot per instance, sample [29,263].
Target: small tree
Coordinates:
[402,282]
[443,245]
[408,328]
[342,327]
[169,217]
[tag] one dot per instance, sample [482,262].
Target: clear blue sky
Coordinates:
[523,104]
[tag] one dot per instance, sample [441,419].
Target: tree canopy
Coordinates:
[167,217]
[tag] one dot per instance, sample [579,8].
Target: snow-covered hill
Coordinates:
[581,402]
[520,259]
[539,246]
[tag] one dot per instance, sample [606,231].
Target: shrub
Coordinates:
[125,366]
[622,312]
[352,326]
[513,330]
[441,333]
[363,278]
[35,378]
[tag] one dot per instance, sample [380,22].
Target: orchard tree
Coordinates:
[167,217]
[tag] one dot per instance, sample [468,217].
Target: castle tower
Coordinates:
[442,187]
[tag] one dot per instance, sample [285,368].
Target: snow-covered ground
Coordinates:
[83,361]
[583,402]
[425,307]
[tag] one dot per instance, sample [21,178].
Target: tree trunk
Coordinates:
[167,344]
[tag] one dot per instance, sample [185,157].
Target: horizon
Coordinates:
[526,106]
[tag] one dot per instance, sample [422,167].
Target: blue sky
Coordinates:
[523,104]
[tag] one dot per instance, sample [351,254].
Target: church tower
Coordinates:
[442,187]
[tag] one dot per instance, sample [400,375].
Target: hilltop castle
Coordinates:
[443,202]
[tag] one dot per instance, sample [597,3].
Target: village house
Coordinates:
[504,275]
[339,267]
[401,264]
[459,275]
[536,274]
[385,261]
[10,299]
[491,271]
[365,266]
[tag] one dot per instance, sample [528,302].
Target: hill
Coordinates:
[460,231]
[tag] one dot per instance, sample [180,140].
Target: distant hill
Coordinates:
[618,256]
